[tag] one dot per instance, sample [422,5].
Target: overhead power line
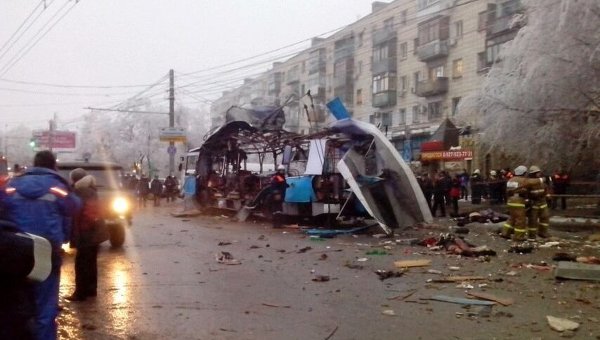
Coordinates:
[72,86]
[26,48]
[22,24]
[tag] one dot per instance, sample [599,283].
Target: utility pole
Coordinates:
[171,119]
[51,132]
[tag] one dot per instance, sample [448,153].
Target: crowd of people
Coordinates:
[40,202]
[442,190]
[155,189]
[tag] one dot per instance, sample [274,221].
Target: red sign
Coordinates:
[446,155]
[64,140]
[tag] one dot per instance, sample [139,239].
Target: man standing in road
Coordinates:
[156,189]
[39,202]
[560,182]
[278,187]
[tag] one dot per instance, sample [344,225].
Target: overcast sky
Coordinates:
[135,42]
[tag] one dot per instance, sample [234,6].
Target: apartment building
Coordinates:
[404,67]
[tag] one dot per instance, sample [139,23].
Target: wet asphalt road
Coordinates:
[166,283]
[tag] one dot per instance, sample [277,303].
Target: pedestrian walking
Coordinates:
[88,226]
[40,202]
[142,190]
[170,188]
[156,189]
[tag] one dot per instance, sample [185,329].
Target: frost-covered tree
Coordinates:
[16,146]
[126,138]
[541,102]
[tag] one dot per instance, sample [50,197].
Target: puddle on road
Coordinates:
[107,316]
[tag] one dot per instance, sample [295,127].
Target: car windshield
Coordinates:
[105,178]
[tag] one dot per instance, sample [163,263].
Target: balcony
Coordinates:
[499,26]
[317,66]
[383,35]
[433,50]
[343,52]
[384,65]
[385,98]
[428,88]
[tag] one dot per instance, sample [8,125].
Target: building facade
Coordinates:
[404,67]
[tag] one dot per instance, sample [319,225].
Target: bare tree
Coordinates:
[540,103]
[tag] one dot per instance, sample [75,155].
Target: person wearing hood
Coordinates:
[40,202]
[85,236]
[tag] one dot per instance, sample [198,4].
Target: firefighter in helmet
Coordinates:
[517,192]
[539,215]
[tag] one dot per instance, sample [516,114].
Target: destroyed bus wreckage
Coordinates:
[346,172]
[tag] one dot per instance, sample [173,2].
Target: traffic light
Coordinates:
[32,143]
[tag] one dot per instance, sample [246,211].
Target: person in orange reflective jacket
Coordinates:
[539,216]
[517,192]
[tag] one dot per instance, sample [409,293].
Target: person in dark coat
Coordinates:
[143,189]
[426,185]
[85,236]
[560,182]
[42,190]
[170,188]
[156,189]
[455,194]
[477,187]
[439,195]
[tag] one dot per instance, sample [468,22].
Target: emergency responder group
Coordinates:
[527,205]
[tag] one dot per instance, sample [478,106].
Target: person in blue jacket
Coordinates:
[40,202]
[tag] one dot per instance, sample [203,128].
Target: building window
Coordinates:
[386,119]
[403,84]
[482,23]
[422,4]
[438,29]
[403,16]
[436,72]
[403,50]
[458,29]
[509,7]
[492,53]
[481,63]
[372,119]
[402,117]
[384,82]
[388,24]
[415,45]
[435,110]
[381,53]
[457,68]
[417,78]
[359,97]
[455,102]
[415,114]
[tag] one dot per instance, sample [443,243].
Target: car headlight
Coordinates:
[120,205]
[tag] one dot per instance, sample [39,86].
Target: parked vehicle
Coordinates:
[116,200]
